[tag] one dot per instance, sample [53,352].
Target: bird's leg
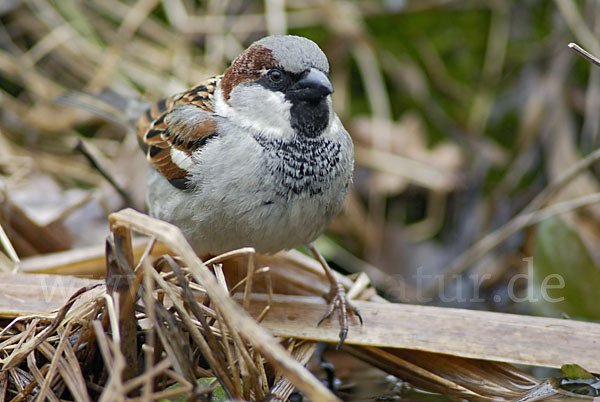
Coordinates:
[337,298]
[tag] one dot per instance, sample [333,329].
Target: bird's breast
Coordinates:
[304,166]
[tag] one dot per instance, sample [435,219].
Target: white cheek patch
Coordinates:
[258,108]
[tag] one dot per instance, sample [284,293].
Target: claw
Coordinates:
[343,333]
[327,314]
[357,313]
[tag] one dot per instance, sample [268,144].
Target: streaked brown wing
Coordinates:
[178,125]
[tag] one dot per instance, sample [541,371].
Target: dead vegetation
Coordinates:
[151,319]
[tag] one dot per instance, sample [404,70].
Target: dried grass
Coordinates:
[162,322]
[190,329]
[165,321]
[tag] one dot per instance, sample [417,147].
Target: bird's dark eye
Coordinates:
[275,75]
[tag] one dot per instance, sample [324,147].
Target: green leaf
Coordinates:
[566,279]
[576,372]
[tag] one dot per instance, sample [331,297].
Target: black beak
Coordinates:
[313,86]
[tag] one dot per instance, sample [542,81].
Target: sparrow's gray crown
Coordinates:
[295,53]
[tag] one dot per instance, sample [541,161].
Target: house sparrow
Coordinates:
[254,157]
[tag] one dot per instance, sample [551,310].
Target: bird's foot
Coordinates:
[339,303]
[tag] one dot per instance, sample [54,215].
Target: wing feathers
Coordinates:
[178,126]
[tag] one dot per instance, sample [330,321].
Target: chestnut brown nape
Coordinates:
[247,66]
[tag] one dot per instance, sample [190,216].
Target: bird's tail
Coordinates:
[109,105]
